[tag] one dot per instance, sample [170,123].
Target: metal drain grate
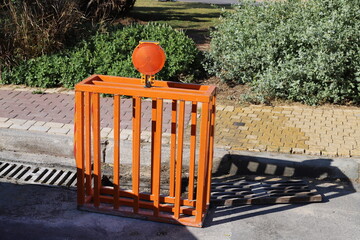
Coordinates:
[29,174]
[232,191]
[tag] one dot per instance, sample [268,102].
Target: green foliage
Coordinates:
[307,51]
[102,9]
[31,28]
[108,54]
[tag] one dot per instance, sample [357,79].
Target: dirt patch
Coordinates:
[228,94]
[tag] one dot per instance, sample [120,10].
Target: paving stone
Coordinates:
[219,108]
[124,136]
[272,148]
[285,149]
[57,130]
[229,108]
[39,128]
[69,126]
[54,125]
[39,123]
[298,150]
[19,127]
[5,124]
[251,137]
[2,119]
[17,121]
[330,152]
[343,153]
[355,153]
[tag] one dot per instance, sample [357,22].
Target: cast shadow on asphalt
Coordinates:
[328,180]
[41,212]
[51,210]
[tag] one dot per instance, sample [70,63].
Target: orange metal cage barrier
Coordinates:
[175,206]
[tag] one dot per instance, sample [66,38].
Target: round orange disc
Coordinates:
[148,58]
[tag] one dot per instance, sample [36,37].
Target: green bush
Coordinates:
[103,9]
[305,51]
[31,28]
[109,54]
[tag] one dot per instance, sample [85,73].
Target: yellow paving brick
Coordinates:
[246,132]
[355,152]
[289,145]
[343,152]
[285,149]
[229,108]
[239,148]
[301,145]
[243,128]
[251,137]
[273,148]
[298,150]
[246,110]
[330,152]
[313,152]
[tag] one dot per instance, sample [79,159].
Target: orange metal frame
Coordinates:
[174,207]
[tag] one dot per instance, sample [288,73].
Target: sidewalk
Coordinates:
[287,129]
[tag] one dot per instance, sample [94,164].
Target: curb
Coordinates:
[43,148]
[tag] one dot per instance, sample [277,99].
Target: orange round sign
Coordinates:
[148,58]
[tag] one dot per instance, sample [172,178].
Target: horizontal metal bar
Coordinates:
[143,92]
[149,205]
[148,197]
[153,88]
[157,83]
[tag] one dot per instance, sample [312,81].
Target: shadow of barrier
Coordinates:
[246,186]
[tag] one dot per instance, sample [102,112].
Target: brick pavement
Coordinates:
[290,129]
[287,129]
[54,113]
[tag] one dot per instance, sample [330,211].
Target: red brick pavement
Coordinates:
[57,107]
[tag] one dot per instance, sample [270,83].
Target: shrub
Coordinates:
[305,51]
[102,9]
[32,28]
[108,54]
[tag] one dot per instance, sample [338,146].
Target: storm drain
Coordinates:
[29,174]
[225,190]
[232,191]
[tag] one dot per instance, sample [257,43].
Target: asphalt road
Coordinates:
[38,212]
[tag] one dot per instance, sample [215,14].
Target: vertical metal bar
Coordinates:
[207,160]
[88,169]
[153,133]
[192,150]
[136,151]
[157,155]
[116,150]
[79,146]
[211,147]
[173,148]
[179,157]
[202,161]
[96,147]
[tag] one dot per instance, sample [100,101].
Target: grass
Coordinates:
[180,15]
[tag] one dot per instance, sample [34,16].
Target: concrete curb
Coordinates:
[50,149]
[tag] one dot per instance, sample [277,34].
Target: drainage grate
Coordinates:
[29,174]
[232,191]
